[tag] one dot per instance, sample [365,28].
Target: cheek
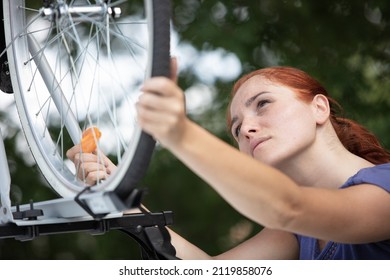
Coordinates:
[294,123]
[243,146]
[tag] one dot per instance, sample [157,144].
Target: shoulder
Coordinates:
[378,175]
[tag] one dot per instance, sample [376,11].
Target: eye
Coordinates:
[262,103]
[236,130]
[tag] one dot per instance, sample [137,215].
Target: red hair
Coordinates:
[356,138]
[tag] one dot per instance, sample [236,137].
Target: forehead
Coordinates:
[253,86]
[254,83]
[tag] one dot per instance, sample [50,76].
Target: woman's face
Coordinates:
[270,123]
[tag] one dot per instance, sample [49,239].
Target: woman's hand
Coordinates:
[161,110]
[90,167]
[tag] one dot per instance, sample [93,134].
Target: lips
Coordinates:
[254,143]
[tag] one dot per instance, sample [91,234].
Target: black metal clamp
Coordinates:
[148,229]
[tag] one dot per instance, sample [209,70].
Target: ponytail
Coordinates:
[359,141]
[356,138]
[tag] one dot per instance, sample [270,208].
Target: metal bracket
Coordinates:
[147,229]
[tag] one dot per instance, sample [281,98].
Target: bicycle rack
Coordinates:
[91,212]
[147,229]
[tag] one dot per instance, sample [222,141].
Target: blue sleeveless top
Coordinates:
[377,175]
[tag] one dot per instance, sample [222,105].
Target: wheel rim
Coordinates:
[99,45]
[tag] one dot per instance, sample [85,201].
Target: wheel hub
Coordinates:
[80,13]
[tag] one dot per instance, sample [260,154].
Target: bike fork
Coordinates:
[5,185]
[5,78]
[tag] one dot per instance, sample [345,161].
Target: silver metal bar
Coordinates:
[68,210]
[5,184]
[62,105]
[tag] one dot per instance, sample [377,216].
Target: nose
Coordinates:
[249,128]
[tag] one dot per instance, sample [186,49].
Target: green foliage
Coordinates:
[344,44]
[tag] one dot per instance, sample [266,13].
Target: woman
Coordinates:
[318,183]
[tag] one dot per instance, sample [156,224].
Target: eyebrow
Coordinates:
[247,104]
[253,98]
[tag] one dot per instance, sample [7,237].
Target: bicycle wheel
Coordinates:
[77,64]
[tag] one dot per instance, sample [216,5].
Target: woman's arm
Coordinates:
[186,250]
[258,191]
[266,245]
[234,175]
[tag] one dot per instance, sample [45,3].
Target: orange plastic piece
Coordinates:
[89,141]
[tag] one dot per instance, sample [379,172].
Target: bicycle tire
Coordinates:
[50,57]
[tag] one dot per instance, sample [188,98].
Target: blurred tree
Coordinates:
[344,44]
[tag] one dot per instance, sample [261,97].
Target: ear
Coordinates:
[321,108]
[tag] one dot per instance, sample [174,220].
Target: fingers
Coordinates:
[91,174]
[157,123]
[161,109]
[161,100]
[70,154]
[174,68]
[90,168]
[161,86]
[165,103]
[107,162]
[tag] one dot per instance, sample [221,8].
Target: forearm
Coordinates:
[186,250]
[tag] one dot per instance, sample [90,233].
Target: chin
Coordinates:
[265,160]
[270,160]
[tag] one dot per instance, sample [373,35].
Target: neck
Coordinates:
[317,168]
